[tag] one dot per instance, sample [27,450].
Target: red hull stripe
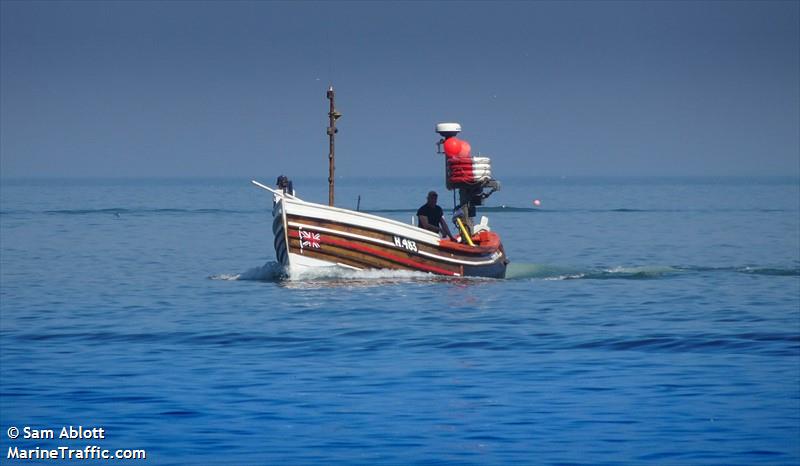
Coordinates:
[375,252]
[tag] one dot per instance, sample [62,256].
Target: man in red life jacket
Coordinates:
[431,216]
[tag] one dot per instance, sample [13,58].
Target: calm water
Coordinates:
[644,321]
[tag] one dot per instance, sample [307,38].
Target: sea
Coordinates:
[642,321]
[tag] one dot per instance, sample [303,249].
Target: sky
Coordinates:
[237,89]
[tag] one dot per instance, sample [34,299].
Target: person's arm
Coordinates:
[423,223]
[446,229]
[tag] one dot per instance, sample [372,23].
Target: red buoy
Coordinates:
[465,149]
[452,147]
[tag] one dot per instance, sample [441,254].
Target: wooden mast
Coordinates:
[333,115]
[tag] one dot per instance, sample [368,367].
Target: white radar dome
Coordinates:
[448,129]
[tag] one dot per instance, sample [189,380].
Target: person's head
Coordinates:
[432,198]
[282,181]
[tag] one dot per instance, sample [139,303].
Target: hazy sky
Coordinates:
[546,88]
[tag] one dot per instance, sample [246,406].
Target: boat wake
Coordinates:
[269,272]
[517,271]
[274,272]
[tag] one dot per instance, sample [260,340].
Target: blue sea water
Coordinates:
[643,321]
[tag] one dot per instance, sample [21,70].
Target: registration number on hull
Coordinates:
[405,244]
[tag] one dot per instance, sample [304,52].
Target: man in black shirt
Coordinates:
[285,185]
[431,216]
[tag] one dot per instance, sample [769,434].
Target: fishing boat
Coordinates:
[309,236]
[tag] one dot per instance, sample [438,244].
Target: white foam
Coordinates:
[270,271]
[273,271]
[641,270]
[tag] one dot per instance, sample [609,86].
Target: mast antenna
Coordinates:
[333,115]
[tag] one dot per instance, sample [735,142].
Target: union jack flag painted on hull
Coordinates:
[309,239]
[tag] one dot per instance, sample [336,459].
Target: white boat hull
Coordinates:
[312,236]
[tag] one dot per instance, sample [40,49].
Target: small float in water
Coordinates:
[311,236]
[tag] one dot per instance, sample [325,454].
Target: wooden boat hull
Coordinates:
[310,236]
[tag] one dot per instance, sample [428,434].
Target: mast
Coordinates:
[333,115]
